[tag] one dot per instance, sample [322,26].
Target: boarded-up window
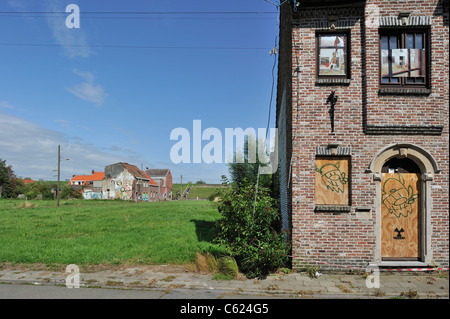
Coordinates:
[332,180]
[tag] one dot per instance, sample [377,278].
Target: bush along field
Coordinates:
[252,233]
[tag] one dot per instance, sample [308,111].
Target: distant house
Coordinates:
[164,178]
[127,182]
[27,181]
[89,185]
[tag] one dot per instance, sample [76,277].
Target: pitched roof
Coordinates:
[157,172]
[96,176]
[136,172]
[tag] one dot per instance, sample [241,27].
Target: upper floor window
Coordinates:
[404,60]
[332,55]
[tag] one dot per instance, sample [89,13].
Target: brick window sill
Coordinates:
[332,209]
[333,81]
[404,91]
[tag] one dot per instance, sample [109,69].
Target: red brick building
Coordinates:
[164,178]
[362,117]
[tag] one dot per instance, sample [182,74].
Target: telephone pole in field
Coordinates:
[59,174]
[58,191]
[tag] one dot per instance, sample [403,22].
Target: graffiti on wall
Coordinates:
[92,195]
[122,191]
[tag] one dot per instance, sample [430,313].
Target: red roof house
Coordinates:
[87,180]
[128,182]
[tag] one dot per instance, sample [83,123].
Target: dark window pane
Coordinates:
[385,80]
[419,80]
[410,41]
[395,80]
[410,80]
[393,42]
[419,41]
[384,43]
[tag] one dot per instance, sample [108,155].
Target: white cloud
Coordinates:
[72,40]
[88,91]
[16,4]
[32,151]
[6,105]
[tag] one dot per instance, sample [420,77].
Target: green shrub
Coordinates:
[228,266]
[38,189]
[252,236]
[67,191]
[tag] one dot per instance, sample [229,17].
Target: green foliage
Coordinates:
[67,191]
[252,237]
[228,267]
[244,168]
[33,190]
[8,181]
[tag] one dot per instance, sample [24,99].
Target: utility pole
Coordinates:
[59,172]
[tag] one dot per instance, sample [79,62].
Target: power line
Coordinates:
[129,46]
[140,17]
[274,52]
[143,12]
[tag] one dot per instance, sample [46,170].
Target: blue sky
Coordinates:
[114,89]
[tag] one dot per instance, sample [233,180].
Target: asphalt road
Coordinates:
[12,291]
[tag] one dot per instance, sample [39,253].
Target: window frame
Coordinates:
[401,34]
[347,50]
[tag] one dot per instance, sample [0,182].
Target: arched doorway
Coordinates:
[403,174]
[400,210]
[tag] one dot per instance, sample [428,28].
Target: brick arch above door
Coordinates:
[421,157]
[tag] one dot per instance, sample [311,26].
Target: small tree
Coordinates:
[67,191]
[246,163]
[8,180]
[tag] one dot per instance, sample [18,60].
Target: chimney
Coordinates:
[93,172]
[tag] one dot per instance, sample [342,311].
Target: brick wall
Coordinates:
[350,238]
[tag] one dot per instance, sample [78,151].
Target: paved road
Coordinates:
[21,291]
[161,282]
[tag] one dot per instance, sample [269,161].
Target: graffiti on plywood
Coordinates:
[398,197]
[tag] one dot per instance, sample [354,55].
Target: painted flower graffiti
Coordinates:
[333,177]
[397,198]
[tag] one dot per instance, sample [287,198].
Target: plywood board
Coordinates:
[400,210]
[332,181]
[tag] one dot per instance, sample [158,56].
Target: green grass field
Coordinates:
[105,232]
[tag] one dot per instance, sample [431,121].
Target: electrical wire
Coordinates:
[274,51]
[129,46]
[136,18]
[141,12]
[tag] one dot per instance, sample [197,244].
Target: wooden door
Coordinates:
[400,216]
